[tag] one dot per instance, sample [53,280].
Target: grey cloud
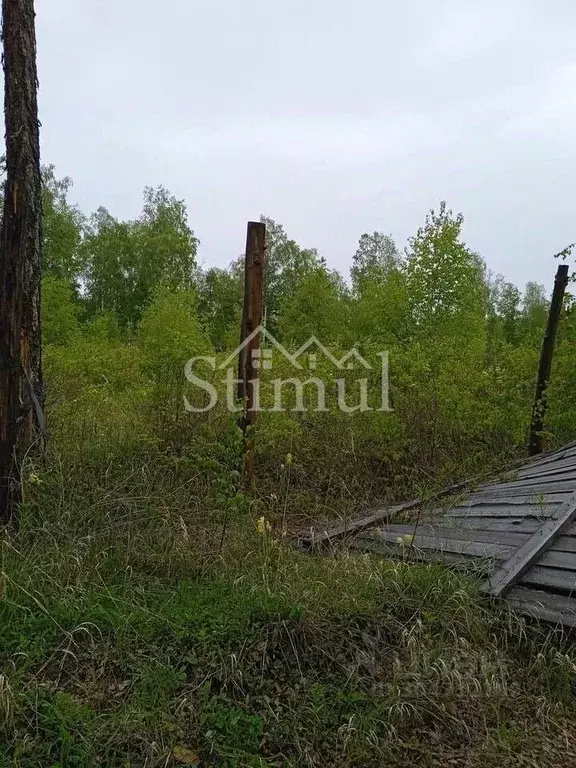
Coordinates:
[334,118]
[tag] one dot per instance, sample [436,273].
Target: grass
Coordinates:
[144,621]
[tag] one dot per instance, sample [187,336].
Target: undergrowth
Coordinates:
[148,619]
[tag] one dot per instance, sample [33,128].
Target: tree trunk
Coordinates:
[21,393]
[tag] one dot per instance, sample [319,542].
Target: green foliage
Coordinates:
[220,297]
[60,311]
[316,307]
[373,261]
[125,642]
[463,349]
[380,314]
[288,263]
[169,335]
[151,613]
[534,314]
[445,279]
[63,226]
[505,301]
[127,261]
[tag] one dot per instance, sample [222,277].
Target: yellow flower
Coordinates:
[263,526]
[405,541]
[34,479]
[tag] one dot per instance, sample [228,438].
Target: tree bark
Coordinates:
[21,392]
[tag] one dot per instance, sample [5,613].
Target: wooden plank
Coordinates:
[475,503]
[569,448]
[523,488]
[567,483]
[484,526]
[458,546]
[533,549]
[566,543]
[554,468]
[354,526]
[505,538]
[530,498]
[501,510]
[443,533]
[555,558]
[405,529]
[414,554]
[563,453]
[556,609]
[512,524]
[375,517]
[550,577]
[460,532]
[527,482]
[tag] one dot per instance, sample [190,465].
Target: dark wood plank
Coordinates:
[506,538]
[486,529]
[555,558]
[553,469]
[442,533]
[502,510]
[566,476]
[353,526]
[559,453]
[550,577]
[556,609]
[420,555]
[511,524]
[533,549]
[542,500]
[375,517]
[524,488]
[487,523]
[566,543]
[456,545]
[405,529]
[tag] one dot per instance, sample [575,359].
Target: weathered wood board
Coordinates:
[520,530]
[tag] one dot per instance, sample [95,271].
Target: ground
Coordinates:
[137,630]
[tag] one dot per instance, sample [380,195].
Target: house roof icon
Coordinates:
[347,362]
[261,330]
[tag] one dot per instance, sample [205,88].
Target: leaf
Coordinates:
[185,756]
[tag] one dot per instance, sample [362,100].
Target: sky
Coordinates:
[334,118]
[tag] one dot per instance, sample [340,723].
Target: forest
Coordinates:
[125,305]
[154,611]
[168,594]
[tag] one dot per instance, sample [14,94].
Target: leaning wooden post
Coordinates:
[540,401]
[248,361]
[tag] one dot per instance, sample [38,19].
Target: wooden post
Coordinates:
[540,401]
[20,253]
[248,363]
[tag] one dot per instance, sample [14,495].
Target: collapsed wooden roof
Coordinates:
[521,529]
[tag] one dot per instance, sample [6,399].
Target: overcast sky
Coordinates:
[332,117]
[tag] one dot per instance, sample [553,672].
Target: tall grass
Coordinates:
[152,614]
